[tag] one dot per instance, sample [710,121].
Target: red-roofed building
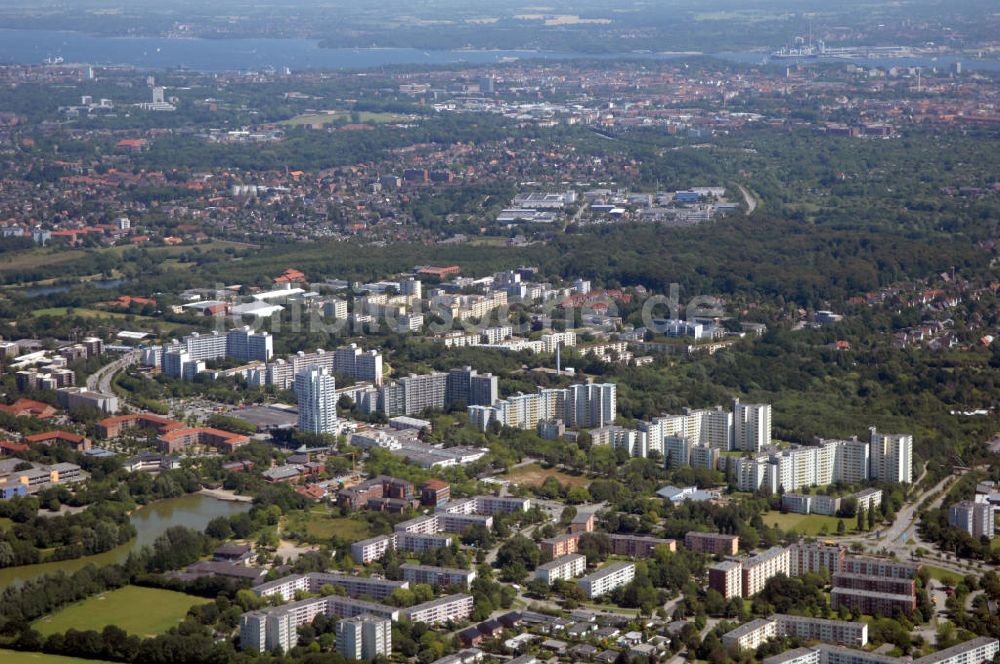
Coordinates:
[126,301]
[311,491]
[133,144]
[30,408]
[291,275]
[8,448]
[76,441]
[439,272]
[110,427]
[179,439]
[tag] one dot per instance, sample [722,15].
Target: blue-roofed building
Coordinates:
[13,489]
[98,453]
[686,197]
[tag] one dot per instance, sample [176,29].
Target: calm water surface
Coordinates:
[193,511]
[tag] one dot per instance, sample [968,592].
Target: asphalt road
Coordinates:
[100,380]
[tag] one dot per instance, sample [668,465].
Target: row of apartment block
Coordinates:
[373,548]
[437,576]
[607,579]
[274,628]
[975,651]
[634,546]
[562,568]
[354,586]
[753,634]
[716,544]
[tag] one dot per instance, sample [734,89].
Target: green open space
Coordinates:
[100,314]
[329,117]
[323,523]
[945,576]
[139,611]
[808,524]
[534,475]
[49,256]
[35,257]
[17,657]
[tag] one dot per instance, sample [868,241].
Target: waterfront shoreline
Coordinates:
[225,494]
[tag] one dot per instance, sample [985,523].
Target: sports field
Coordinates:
[160,610]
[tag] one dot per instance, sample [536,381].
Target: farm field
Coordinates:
[161,610]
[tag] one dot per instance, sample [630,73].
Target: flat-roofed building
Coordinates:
[363,638]
[434,493]
[639,546]
[562,568]
[726,578]
[418,542]
[843,632]
[607,579]
[423,525]
[713,543]
[879,584]
[373,548]
[807,557]
[490,505]
[453,608]
[277,628]
[974,518]
[796,656]
[459,523]
[437,576]
[354,585]
[751,635]
[757,570]
[975,651]
[874,603]
[560,545]
[880,567]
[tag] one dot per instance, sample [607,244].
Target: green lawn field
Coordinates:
[15,657]
[120,316]
[319,523]
[808,524]
[139,611]
[329,117]
[943,575]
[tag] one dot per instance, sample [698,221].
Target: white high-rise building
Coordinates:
[411,286]
[891,457]
[316,393]
[852,463]
[974,518]
[716,428]
[364,637]
[677,451]
[751,426]
[591,405]
[244,343]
